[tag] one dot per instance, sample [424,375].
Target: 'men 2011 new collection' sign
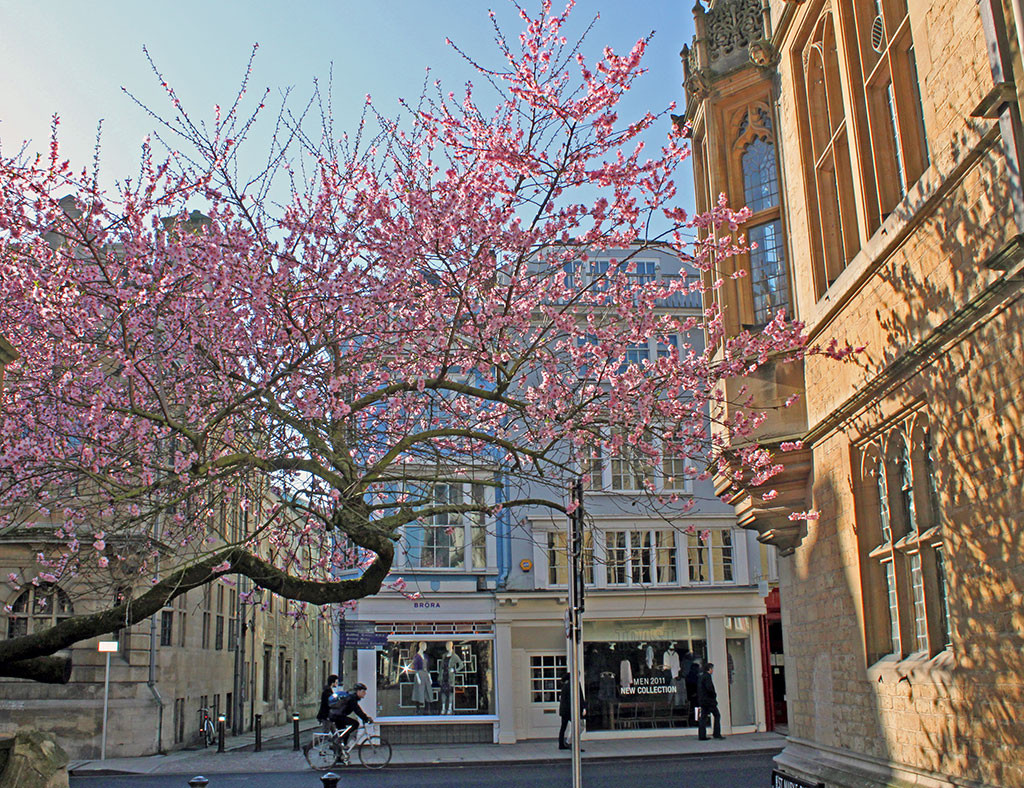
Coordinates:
[782,780]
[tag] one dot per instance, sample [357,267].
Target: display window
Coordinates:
[642,674]
[417,678]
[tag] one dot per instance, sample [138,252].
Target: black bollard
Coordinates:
[330,780]
[220,733]
[199,782]
[295,732]
[259,733]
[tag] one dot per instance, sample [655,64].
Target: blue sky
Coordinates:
[72,58]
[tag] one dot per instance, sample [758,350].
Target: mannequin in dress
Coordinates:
[447,667]
[421,679]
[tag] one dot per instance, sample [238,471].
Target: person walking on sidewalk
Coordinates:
[323,715]
[707,699]
[565,709]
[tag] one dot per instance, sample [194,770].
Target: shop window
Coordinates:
[642,674]
[418,677]
[440,540]
[558,558]
[710,556]
[546,677]
[37,608]
[900,534]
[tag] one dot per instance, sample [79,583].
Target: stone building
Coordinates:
[878,144]
[205,650]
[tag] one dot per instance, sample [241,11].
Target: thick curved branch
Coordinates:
[16,654]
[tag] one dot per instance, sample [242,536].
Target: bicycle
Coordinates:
[207,732]
[327,749]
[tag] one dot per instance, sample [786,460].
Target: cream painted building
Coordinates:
[478,653]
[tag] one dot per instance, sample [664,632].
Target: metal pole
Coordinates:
[106,700]
[221,722]
[259,733]
[295,732]
[575,610]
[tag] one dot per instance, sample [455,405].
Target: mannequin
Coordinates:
[421,679]
[447,667]
[625,673]
[671,659]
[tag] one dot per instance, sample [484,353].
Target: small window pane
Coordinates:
[760,179]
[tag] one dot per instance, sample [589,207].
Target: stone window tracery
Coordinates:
[767,287]
[834,231]
[36,608]
[902,551]
[895,146]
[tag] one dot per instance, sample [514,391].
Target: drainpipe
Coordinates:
[504,540]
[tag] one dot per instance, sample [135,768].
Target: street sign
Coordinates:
[783,780]
[361,635]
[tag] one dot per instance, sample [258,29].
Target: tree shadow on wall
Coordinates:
[954,342]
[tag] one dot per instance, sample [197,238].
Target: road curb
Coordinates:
[596,757]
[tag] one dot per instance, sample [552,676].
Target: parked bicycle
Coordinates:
[207,730]
[328,750]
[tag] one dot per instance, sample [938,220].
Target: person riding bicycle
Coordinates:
[345,704]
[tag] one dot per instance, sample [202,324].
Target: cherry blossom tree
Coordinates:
[412,312]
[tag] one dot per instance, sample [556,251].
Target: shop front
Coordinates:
[639,667]
[430,680]
[642,674]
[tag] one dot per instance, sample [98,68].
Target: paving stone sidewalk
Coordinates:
[278,757]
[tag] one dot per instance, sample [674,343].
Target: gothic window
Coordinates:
[825,139]
[904,580]
[37,608]
[889,94]
[767,287]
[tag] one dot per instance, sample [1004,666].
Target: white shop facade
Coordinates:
[432,678]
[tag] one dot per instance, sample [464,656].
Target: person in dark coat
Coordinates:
[324,713]
[565,709]
[348,705]
[707,699]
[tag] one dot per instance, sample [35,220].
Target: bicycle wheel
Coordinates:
[374,752]
[210,733]
[323,756]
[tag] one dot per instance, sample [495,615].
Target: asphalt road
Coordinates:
[728,771]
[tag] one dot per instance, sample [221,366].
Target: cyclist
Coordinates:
[347,704]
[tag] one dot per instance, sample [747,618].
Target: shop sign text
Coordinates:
[649,685]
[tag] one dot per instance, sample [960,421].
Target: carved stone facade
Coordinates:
[899,143]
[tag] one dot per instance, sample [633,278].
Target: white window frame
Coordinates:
[634,547]
[553,663]
[473,525]
[598,457]
[708,549]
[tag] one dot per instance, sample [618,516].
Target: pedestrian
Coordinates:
[324,713]
[565,709]
[707,699]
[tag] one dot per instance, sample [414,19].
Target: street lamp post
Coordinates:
[107,647]
[574,622]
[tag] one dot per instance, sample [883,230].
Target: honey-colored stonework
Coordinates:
[901,227]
